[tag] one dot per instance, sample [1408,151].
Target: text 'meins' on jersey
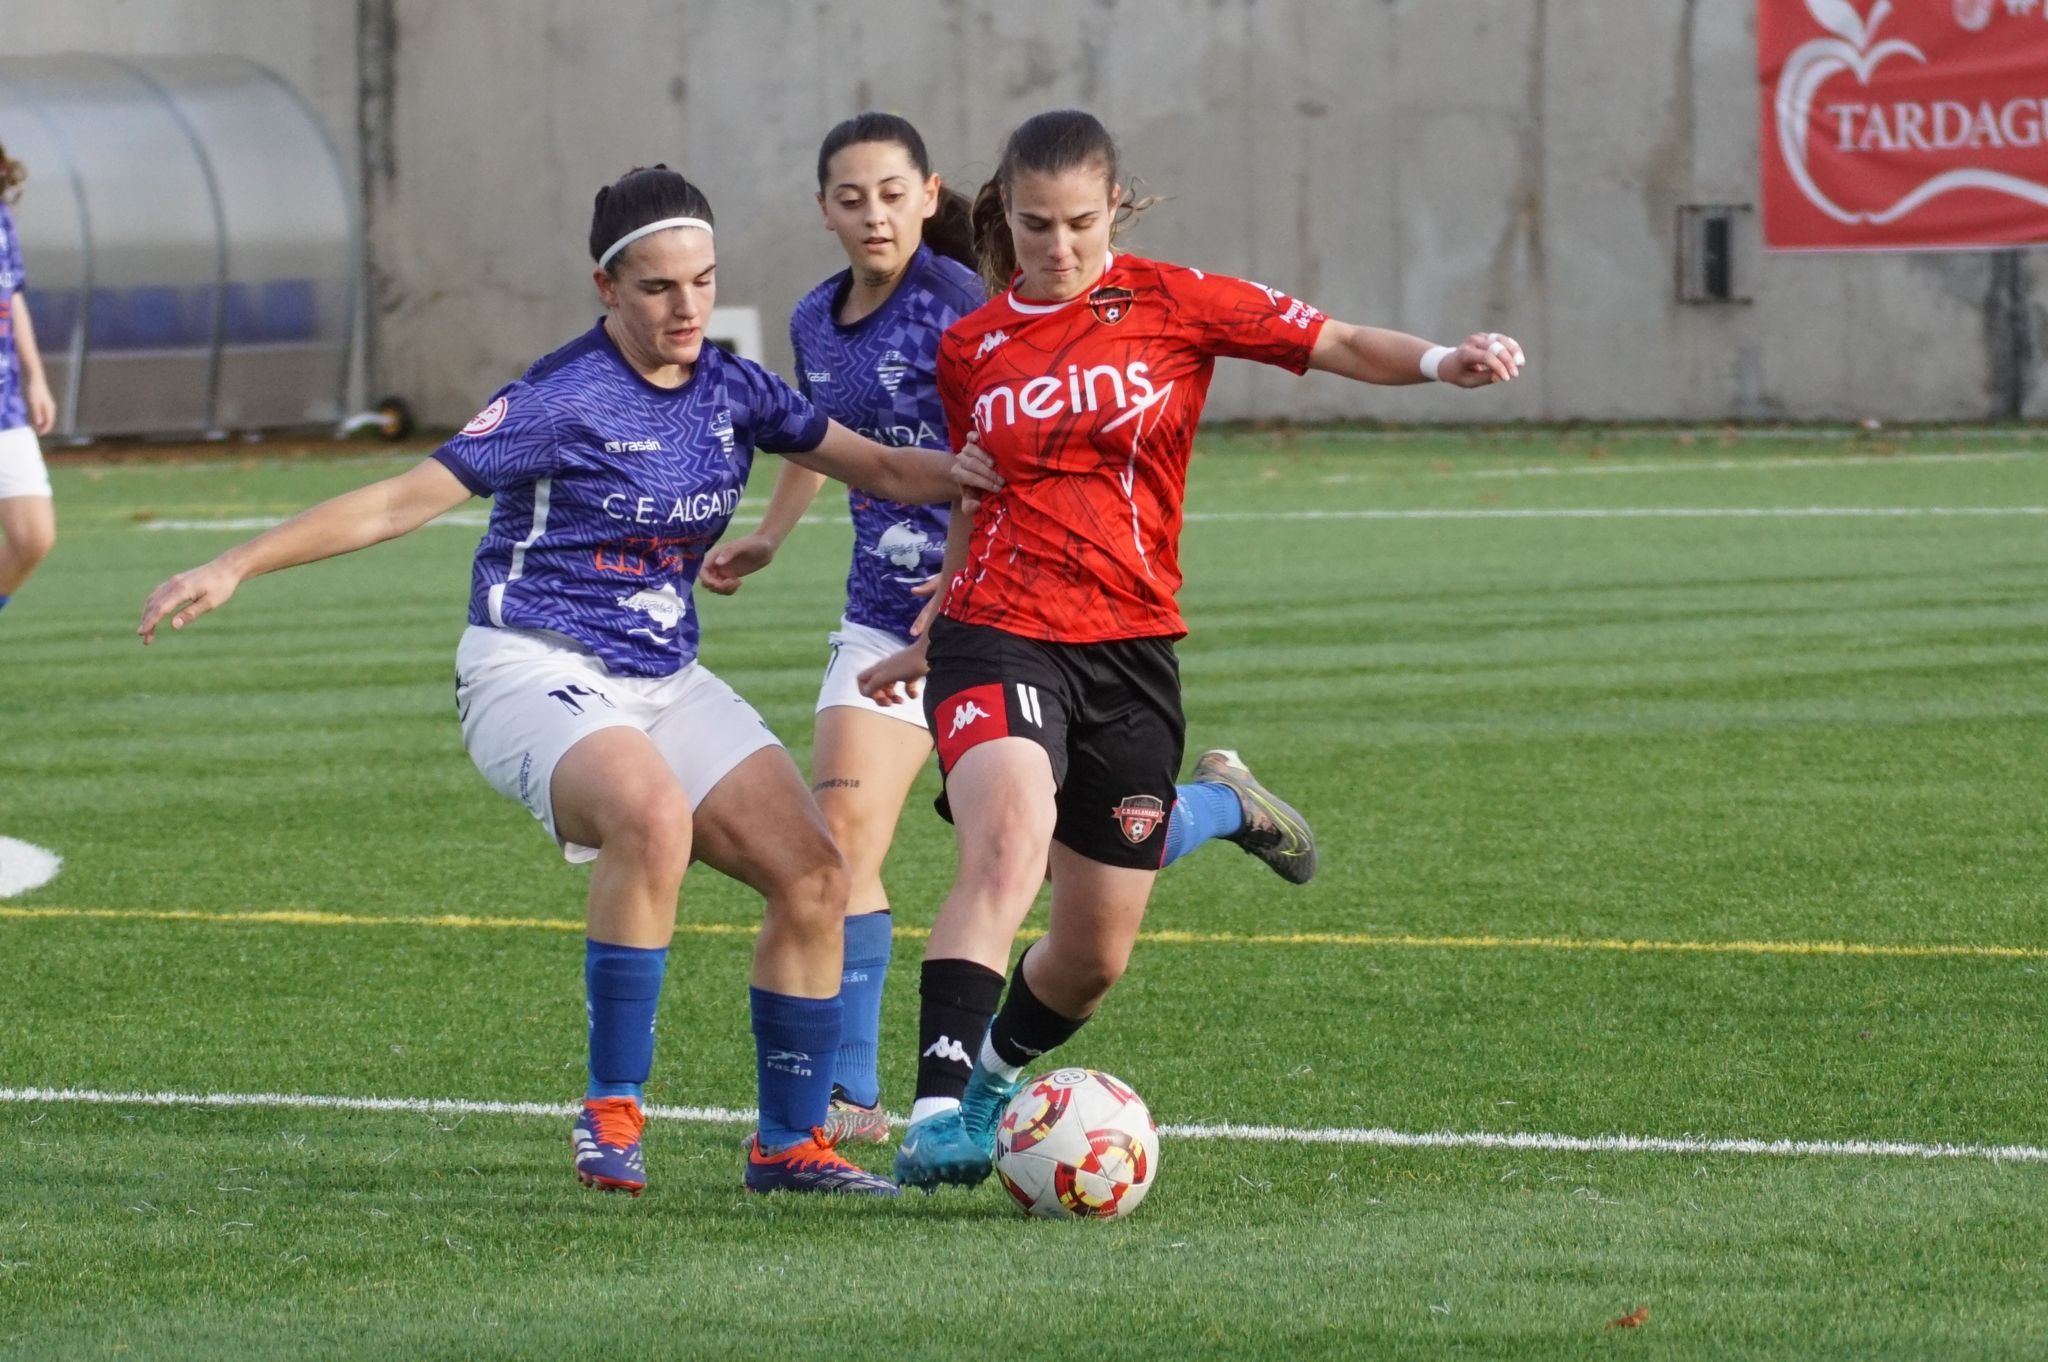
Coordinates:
[1089,409]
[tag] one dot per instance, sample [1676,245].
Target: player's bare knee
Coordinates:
[652,824]
[34,545]
[850,824]
[1004,865]
[813,896]
[1096,972]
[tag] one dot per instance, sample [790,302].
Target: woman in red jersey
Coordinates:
[1053,691]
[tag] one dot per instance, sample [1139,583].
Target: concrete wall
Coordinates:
[1513,164]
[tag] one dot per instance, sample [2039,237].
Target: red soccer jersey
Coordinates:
[1089,410]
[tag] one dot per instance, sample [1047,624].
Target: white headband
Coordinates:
[638,232]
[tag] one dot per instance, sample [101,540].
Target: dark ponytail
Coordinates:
[949,231]
[995,254]
[642,195]
[1044,144]
[12,173]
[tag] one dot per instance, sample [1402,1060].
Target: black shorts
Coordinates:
[1108,714]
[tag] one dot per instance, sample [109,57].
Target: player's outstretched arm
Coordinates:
[921,477]
[1372,354]
[795,488]
[354,520]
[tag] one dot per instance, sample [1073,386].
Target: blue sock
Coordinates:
[1201,811]
[4,600]
[795,1040]
[860,988]
[621,985]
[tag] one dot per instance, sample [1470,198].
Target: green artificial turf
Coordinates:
[1528,716]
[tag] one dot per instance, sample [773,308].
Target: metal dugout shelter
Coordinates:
[190,241]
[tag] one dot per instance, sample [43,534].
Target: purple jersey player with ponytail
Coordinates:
[866,343]
[28,525]
[613,465]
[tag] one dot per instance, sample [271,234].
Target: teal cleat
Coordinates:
[938,1150]
[983,1104]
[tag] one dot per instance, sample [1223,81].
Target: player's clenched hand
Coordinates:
[976,473]
[737,558]
[190,594]
[897,678]
[1481,358]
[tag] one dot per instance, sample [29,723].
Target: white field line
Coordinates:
[1379,1137]
[1544,470]
[474,520]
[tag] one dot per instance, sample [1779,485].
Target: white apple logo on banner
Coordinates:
[1854,48]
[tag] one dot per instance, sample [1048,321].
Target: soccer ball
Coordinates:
[1077,1144]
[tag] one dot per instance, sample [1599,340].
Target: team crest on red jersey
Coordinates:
[1110,304]
[1138,816]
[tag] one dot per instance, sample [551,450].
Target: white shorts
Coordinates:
[855,648]
[526,696]
[22,473]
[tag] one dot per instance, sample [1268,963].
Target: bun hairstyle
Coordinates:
[950,231]
[1044,144]
[12,173]
[642,195]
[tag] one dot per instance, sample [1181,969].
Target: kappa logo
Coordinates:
[990,342]
[966,716]
[487,420]
[946,1048]
[1139,816]
[1111,305]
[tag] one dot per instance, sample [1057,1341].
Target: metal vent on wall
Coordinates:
[1707,262]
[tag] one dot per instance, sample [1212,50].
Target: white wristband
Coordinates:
[1433,362]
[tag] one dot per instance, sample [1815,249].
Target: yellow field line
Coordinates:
[308,917]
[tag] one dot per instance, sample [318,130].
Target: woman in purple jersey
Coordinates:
[28,520]
[866,344]
[614,464]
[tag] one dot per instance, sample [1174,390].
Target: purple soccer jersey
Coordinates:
[878,377]
[608,491]
[13,403]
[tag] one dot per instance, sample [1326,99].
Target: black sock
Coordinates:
[958,998]
[1026,1028]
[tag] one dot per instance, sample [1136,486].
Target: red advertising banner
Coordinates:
[1911,127]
